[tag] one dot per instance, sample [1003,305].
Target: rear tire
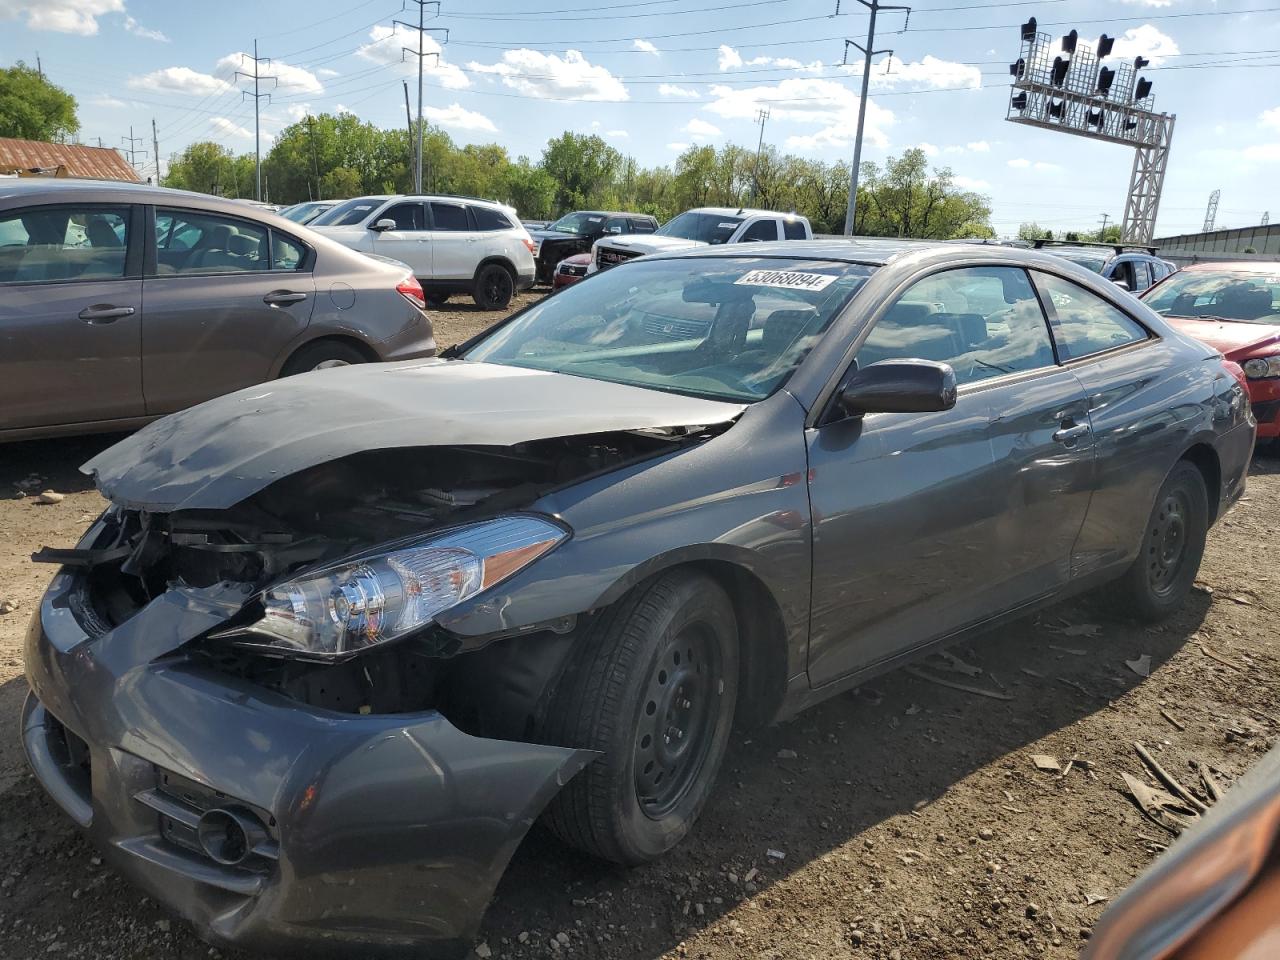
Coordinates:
[1158,582]
[494,287]
[322,355]
[652,686]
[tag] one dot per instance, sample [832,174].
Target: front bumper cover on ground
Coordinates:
[386,832]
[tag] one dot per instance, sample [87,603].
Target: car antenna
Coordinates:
[740,209]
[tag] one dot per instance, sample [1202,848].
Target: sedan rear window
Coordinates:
[724,328]
[349,212]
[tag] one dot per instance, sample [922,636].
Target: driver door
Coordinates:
[409,242]
[925,524]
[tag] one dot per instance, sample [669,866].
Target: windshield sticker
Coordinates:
[786,279]
[594,219]
[726,226]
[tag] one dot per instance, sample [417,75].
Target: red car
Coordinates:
[1233,307]
[570,270]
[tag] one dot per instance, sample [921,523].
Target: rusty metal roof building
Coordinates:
[34,157]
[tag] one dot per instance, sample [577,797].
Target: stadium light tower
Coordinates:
[1065,89]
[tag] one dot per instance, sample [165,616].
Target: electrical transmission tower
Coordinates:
[868,51]
[257,77]
[1211,211]
[421,54]
[1266,217]
[132,150]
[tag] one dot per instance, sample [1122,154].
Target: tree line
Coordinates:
[337,156]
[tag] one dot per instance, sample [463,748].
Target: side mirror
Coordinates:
[899,386]
[1122,284]
[386,223]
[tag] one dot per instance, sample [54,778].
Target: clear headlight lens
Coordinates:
[341,610]
[1260,368]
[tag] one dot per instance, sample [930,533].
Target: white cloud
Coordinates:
[1022,163]
[230,129]
[294,80]
[60,16]
[138,30]
[973,146]
[298,111]
[1270,118]
[699,129]
[385,46]
[646,46]
[1145,41]
[677,147]
[930,150]
[618,134]
[456,117]
[1262,152]
[549,76]
[328,72]
[730,59]
[106,100]
[969,183]
[1148,3]
[929,72]
[181,80]
[672,90]
[340,109]
[828,104]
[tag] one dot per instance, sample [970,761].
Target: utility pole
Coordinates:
[133,151]
[39,66]
[1102,234]
[761,116]
[869,51]
[421,54]
[408,124]
[155,148]
[257,76]
[315,159]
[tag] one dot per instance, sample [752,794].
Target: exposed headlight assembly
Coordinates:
[341,610]
[1262,368]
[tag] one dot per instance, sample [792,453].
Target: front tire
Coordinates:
[652,686]
[494,287]
[1158,582]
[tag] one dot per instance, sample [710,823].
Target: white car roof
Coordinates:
[742,212]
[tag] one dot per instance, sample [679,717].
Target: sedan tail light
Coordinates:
[411,290]
[533,247]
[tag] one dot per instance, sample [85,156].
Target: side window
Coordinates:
[793,230]
[449,216]
[617,225]
[408,216]
[489,219]
[1141,276]
[1086,324]
[643,225]
[188,243]
[286,253]
[760,230]
[984,321]
[52,244]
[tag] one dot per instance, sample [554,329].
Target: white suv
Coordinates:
[452,244]
[705,226]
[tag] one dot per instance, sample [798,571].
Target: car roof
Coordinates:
[1269,268]
[741,212]
[609,213]
[870,250]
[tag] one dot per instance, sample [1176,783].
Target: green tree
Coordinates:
[582,166]
[208,167]
[906,200]
[1033,231]
[530,189]
[32,108]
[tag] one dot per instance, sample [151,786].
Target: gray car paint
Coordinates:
[764,503]
[191,337]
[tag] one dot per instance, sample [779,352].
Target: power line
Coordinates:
[421,54]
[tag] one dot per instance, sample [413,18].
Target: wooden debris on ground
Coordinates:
[1172,719]
[956,685]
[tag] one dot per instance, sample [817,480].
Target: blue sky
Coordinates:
[652,76]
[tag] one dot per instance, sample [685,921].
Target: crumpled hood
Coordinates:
[651,242]
[216,454]
[1231,338]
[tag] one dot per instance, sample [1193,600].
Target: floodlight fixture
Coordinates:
[1019,102]
[1069,42]
[1056,108]
[1059,73]
[1018,68]
[1105,45]
[1106,77]
[1143,90]
[1140,62]
[1029,29]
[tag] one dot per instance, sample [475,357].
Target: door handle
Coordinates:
[277,297]
[1067,434]
[104,313]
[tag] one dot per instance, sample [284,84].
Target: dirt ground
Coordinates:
[905,820]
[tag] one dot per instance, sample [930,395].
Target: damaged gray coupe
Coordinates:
[341,639]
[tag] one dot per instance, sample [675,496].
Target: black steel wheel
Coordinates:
[1168,560]
[494,287]
[652,685]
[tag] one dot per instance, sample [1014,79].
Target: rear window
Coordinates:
[489,219]
[793,229]
[349,212]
